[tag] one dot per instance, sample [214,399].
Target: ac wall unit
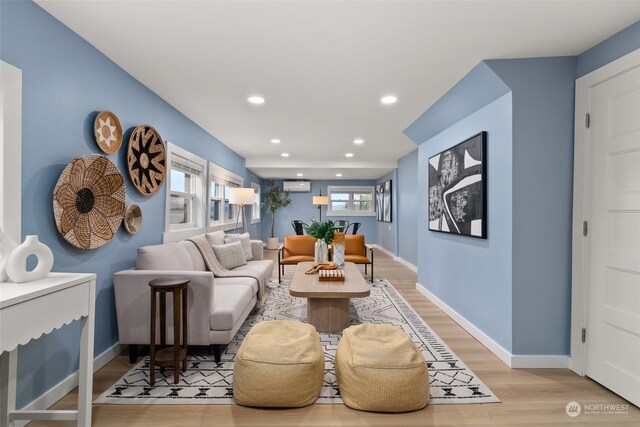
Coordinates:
[297,186]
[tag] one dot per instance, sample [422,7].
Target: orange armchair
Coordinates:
[355,251]
[295,249]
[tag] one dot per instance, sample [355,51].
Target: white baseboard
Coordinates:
[539,361]
[65,386]
[396,258]
[407,264]
[511,360]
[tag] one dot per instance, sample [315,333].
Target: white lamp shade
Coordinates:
[241,196]
[320,200]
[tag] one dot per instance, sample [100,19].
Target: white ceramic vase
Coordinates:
[17,262]
[338,254]
[320,252]
[7,244]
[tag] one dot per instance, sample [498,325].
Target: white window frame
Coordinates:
[227,178]
[10,151]
[255,209]
[189,161]
[351,190]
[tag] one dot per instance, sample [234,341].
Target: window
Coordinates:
[222,214]
[255,209]
[351,201]
[185,201]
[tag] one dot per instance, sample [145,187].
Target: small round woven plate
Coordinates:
[108,132]
[146,160]
[132,219]
[88,201]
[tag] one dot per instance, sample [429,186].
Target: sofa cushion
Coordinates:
[263,268]
[243,238]
[238,281]
[170,256]
[230,302]
[230,255]
[215,238]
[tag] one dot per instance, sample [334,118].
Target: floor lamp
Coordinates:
[241,197]
[320,201]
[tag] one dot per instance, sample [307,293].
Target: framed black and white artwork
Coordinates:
[379,201]
[457,189]
[386,201]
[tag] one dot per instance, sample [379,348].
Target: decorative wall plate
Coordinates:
[88,201]
[132,219]
[146,160]
[108,132]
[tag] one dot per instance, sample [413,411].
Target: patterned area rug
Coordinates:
[207,382]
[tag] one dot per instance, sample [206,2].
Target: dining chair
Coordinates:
[354,228]
[298,226]
[342,223]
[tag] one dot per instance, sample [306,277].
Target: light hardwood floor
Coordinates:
[529,396]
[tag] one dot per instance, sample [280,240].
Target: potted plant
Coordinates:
[274,199]
[323,231]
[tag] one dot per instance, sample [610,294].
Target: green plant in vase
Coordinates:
[274,199]
[323,231]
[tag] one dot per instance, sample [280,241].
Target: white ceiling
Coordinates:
[323,65]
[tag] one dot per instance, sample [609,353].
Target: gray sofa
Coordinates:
[217,306]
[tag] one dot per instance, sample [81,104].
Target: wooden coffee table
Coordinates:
[328,302]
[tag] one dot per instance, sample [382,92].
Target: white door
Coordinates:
[613,248]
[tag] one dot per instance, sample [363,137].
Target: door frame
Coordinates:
[579,294]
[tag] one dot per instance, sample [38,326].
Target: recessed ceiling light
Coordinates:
[255,99]
[285,154]
[349,155]
[388,99]
[338,174]
[275,141]
[299,174]
[358,141]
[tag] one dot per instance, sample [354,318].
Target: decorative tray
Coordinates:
[331,275]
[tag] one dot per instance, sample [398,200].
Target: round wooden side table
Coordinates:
[171,355]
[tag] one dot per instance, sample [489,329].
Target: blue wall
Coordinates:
[302,208]
[387,232]
[408,207]
[539,156]
[543,115]
[536,211]
[614,47]
[65,83]
[470,275]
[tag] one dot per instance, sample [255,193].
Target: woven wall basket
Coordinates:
[146,160]
[88,201]
[108,132]
[132,219]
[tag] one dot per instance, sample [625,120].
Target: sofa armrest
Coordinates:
[133,304]
[257,249]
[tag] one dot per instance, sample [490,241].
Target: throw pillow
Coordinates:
[245,239]
[230,255]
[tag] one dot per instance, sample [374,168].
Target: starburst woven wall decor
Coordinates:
[88,201]
[108,132]
[146,160]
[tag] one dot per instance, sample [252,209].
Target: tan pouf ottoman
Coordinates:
[279,364]
[380,369]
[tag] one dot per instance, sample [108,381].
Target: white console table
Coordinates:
[29,310]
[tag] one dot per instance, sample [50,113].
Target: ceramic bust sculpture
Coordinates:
[17,262]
